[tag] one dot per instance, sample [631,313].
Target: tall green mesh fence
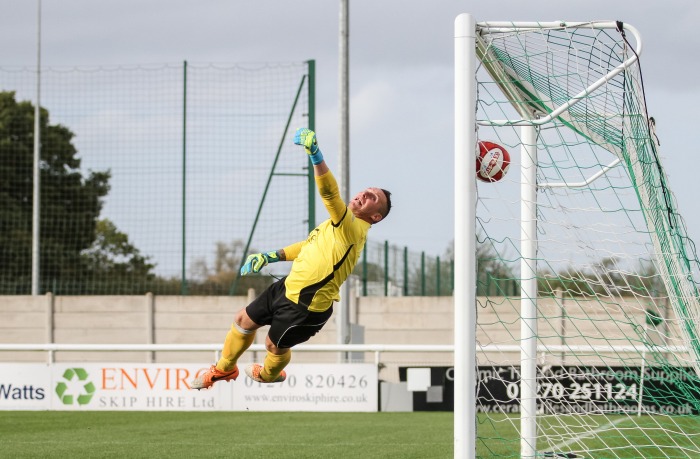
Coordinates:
[152,177]
[617,300]
[387,269]
[158,178]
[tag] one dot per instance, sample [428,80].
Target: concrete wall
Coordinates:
[383,320]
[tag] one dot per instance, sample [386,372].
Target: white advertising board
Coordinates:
[165,387]
[142,387]
[25,386]
[317,387]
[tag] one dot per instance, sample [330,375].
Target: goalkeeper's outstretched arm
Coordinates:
[325,181]
[307,138]
[257,261]
[370,205]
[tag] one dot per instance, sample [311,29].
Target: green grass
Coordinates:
[600,436]
[48,434]
[139,434]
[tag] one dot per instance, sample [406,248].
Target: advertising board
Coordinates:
[165,387]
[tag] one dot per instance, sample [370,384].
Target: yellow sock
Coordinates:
[274,364]
[236,343]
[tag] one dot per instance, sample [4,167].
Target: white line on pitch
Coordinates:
[559,446]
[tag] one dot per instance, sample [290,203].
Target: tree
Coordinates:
[606,277]
[218,277]
[112,259]
[494,275]
[70,202]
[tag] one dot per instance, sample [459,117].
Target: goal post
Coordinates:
[465,240]
[597,356]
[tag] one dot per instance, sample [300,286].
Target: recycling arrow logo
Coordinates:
[76,376]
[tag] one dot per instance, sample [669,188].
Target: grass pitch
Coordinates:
[49,434]
[610,436]
[424,435]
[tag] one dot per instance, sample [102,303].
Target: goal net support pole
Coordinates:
[465,239]
[528,292]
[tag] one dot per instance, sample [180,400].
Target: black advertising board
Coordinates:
[573,389]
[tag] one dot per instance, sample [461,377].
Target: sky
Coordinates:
[401,76]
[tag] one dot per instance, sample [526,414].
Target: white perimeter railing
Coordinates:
[377,349]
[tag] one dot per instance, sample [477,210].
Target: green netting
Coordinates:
[389,270]
[152,176]
[617,301]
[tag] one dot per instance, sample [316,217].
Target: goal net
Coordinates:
[597,354]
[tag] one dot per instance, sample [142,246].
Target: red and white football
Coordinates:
[492,162]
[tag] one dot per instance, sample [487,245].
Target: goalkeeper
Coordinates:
[297,306]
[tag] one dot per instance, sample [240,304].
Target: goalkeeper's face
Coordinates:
[370,205]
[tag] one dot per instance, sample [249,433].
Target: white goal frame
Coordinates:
[465,401]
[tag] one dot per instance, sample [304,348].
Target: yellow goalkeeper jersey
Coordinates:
[327,257]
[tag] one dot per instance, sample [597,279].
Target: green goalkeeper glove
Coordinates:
[257,261]
[307,138]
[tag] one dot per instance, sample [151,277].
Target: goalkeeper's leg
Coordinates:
[272,370]
[241,336]
[242,333]
[238,340]
[274,365]
[292,324]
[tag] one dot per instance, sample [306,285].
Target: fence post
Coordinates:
[488,272]
[386,268]
[183,282]
[150,326]
[422,273]
[438,276]
[364,270]
[50,323]
[559,295]
[405,271]
[311,95]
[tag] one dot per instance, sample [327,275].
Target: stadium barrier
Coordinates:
[377,349]
[348,385]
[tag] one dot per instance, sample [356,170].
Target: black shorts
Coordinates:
[290,324]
